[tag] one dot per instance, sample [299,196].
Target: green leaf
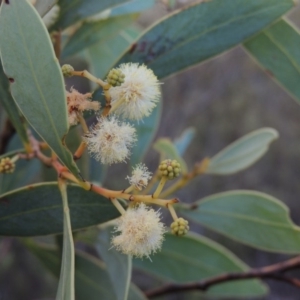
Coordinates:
[242,153]
[184,140]
[73,11]
[66,289]
[11,108]
[145,131]
[102,56]
[276,49]
[26,172]
[37,84]
[91,279]
[37,210]
[92,32]
[131,7]
[201,31]
[194,258]
[118,265]
[168,150]
[252,218]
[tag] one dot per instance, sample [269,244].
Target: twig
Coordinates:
[271,272]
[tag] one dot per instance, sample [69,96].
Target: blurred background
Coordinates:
[223,99]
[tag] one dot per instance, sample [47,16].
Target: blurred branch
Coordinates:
[274,271]
[56,36]
[6,135]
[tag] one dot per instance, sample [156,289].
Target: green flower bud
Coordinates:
[67,70]
[169,168]
[115,77]
[6,165]
[180,227]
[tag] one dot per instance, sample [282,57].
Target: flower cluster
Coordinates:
[134,92]
[110,140]
[131,91]
[77,103]
[138,94]
[140,177]
[7,165]
[141,232]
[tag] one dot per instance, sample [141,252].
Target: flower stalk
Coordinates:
[160,186]
[118,206]
[172,212]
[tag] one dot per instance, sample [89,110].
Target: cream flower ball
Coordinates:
[140,177]
[110,140]
[138,94]
[141,232]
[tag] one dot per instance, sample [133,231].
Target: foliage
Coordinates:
[47,119]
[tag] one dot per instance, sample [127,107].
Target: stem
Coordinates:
[64,173]
[80,150]
[199,169]
[107,96]
[84,184]
[183,181]
[82,122]
[135,198]
[173,212]
[89,76]
[160,186]
[129,189]
[151,184]
[44,159]
[118,206]
[14,158]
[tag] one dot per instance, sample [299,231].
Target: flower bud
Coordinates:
[115,77]
[180,227]
[6,165]
[67,70]
[169,168]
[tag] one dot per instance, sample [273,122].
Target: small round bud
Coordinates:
[169,168]
[67,70]
[6,165]
[115,77]
[180,227]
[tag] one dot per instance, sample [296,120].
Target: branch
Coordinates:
[271,272]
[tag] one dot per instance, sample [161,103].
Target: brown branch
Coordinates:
[57,43]
[6,135]
[271,272]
